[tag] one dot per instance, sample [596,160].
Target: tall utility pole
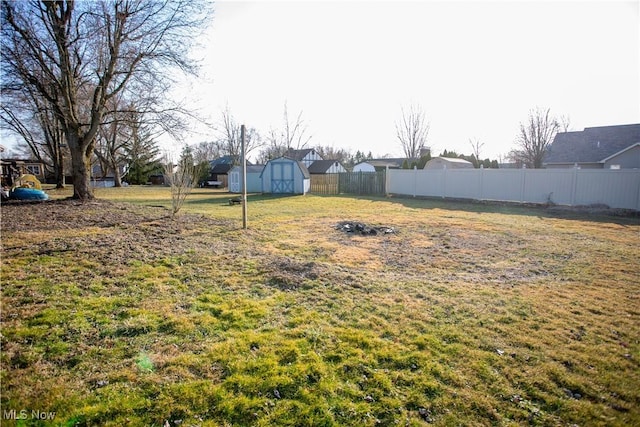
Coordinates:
[244,179]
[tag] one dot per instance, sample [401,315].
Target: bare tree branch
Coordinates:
[294,135]
[476,147]
[412,131]
[535,136]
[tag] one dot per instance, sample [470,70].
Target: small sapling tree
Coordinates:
[181,178]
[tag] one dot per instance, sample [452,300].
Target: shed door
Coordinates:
[282,177]
[234,182]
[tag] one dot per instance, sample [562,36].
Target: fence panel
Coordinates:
[402,181]
[325,184]
[502,184]
[618,188]
[614,188]
[461,183]
[363,183]
[549,185]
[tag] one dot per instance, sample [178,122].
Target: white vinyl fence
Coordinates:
[573,187]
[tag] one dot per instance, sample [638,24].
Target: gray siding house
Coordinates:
[604,147]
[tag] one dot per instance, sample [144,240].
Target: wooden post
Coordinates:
[244,178]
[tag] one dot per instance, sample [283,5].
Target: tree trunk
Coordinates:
[58,169]
[81,168]
[117,178]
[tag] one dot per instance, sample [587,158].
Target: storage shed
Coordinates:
[254,182]
[285,176]
[448,163]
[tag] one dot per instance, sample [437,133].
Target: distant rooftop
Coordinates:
[591,145]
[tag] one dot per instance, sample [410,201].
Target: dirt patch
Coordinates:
[121,232]
[290,274]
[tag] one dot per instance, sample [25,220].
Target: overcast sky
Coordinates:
[476,68]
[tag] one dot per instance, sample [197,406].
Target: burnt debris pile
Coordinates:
[362,229]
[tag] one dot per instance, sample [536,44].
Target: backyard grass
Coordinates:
[113,313]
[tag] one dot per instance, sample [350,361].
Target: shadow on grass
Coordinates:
[622,217]
[223,198]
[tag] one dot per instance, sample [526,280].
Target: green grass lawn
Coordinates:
[470,314]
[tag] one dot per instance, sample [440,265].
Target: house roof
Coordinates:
[297,154]
[321,166]
[224,160]
[454,160]
[592,145]
[392,163]
[227,160]
[221,168]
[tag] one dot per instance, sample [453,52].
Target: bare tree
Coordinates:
[181,178]
[535,137]
[476,147]
[27,115]
[565,123]
[332,153]
[292,135]
[78,55]
[206,151]
[274,147]
[412,131]
[231,142]
[112,139]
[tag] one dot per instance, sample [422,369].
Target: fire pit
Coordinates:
[363,229]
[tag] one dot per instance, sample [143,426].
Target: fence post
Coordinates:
[523,178]
[386,180]
[574,184]
[481,192]
[444,182]
[638,199]
[415,180]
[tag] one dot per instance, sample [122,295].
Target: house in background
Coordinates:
[254,182]
[376,165]
[322,167]
[307,156]
[22,167]
[448,163]
[285,176]
[604,147]
[219,171]
[106,179]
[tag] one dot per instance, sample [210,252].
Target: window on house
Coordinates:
[33,169]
